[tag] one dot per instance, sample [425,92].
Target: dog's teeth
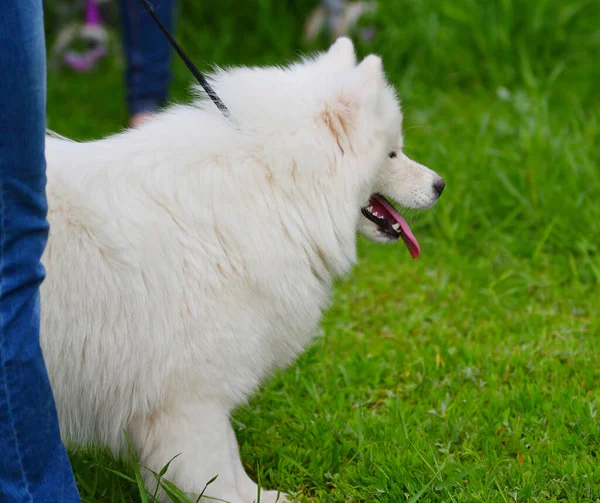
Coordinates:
[370,209]
[375,213]
[396,227]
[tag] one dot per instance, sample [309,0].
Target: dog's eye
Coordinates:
[392,154]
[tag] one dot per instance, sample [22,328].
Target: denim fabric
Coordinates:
[148,55]
[334,7]
[33,463]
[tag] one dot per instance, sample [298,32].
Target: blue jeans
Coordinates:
[33,463]
[148,55]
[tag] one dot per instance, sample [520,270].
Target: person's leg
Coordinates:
[33,463]
[341,18]
[335,10]
[148,55]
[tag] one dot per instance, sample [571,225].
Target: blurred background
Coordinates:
[471,374]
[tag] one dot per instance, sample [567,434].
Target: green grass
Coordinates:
[471,374]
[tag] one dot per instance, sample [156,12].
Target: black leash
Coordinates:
[184,57]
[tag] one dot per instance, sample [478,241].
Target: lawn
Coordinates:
[471,374]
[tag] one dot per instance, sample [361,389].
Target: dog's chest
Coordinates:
[261,325]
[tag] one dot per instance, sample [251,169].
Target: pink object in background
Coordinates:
[92,33]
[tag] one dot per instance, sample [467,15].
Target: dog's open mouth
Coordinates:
[390,223]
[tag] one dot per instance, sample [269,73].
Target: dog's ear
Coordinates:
[360,91]
[340,55]
[370,77]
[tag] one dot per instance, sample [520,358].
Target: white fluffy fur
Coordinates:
[189,258]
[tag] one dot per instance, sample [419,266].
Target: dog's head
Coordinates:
[395,176]
[331,109]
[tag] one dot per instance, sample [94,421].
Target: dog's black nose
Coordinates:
[438,186]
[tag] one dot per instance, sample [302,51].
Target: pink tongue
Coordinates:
[407,236]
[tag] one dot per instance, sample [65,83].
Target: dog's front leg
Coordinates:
[201,433]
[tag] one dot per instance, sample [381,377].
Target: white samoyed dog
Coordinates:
[191,257]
